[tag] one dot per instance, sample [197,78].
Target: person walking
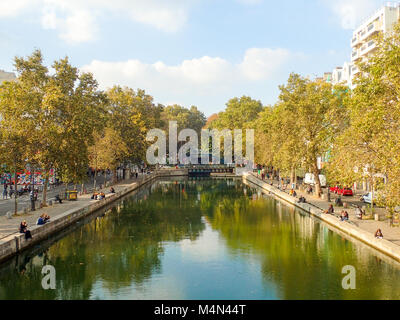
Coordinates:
[5,192]
[32,198]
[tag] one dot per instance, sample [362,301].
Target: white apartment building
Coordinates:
[362,43]
[342,75]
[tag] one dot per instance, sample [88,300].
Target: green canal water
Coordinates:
[200,239]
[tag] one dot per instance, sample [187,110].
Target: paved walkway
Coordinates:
[390,233]
[8,205]
[10,226]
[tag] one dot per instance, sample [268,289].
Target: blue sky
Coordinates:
[190,52]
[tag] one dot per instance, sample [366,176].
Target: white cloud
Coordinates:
[10,8]
[76,20]
[351,12]
[197,79]
[49,20]
[259,64]
[79,27]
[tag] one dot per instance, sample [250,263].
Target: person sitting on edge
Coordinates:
[302,200]
[112,190]
[330,210]
[41,220]
[359,213]
[94,196]
[58,198]
[46,218]
[23,228]
[344,216]
[378,234]
[102,195]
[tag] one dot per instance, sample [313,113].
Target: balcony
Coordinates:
[368,47]
[370,30]
[355,56]
[355,42]
[355,71]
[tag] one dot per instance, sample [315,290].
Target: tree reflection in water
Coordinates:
[125,246]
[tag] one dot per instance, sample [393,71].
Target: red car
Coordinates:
[334,189]
[346,192]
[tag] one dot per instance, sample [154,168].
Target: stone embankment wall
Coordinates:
[15,243]
[381,245]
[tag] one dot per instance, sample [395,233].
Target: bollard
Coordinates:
[9,215]
[50,203]
[26,210]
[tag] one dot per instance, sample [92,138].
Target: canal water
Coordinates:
[200,239]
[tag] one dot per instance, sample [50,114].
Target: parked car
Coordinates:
[366,198]
[346,192]
[309,179]
[334,189]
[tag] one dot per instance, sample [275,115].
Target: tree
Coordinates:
[15,129]
[17,100]
[63,110]
[108,151]
[186,118]
[132,114]
[238,113]
[370,143]
[310,115]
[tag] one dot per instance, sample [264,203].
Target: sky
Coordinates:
[188,52]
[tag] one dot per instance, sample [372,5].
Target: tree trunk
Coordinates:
[372,194]
[46,182]
[115,175]
[95,175]
[316,172]
[292,175]
[16,193]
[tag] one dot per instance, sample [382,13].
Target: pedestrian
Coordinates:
[32,198]
[5,195]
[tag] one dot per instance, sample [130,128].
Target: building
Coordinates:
[6,76]
[342,75]
[363,43]
[328,77]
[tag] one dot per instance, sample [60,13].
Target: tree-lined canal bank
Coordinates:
[199,239]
